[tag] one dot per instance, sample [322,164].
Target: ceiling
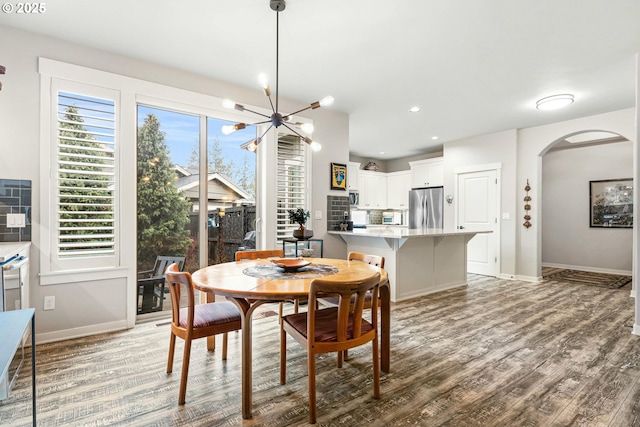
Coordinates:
[473,66]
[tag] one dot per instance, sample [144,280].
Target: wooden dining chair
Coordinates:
[333,329]
[195,321]
[376,260]
[267,253]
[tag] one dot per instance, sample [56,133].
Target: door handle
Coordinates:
[461,227]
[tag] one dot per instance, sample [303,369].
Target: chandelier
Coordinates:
[276,119]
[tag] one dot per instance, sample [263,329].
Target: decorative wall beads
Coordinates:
[527,206]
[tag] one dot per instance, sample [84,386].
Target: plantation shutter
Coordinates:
[291,181]
[86,176]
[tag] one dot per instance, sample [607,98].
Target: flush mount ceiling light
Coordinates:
[414,109]
[554,102]
[276,119]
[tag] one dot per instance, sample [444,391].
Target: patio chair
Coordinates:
[151,284]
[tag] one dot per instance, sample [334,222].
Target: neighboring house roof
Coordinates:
[221,187]
[182,172]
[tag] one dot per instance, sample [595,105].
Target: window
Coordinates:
[84,180]
[290,182]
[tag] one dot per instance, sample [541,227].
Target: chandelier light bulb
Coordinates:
[263,80]
[228,129]
[554,102]
[326,101]
[315,146]
[264,83]
[307,128]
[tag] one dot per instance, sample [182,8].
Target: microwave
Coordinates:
[392,218]
[354,198]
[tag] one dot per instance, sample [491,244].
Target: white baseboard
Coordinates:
[520,278]
[590,269]
[84,331]
[532,279]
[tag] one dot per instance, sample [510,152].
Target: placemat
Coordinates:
[271,271]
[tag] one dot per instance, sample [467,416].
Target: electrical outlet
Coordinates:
[49,303]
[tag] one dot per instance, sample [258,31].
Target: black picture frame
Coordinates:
[611,203]
[339,176]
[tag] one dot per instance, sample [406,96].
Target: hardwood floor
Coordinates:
[496,353]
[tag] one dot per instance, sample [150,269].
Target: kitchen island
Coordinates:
[418,261]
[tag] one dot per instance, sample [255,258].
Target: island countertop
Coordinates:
[418,261]
[405,233]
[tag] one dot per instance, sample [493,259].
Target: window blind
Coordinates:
[290,182]
[86,179]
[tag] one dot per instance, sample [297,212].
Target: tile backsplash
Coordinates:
[336,207]
[15,198]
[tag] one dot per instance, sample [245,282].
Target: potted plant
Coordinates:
[300,217]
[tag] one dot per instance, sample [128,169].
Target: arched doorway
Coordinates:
[571,167]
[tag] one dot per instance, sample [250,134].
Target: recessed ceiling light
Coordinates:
[382,152]
[554,102]
[434,137]
[414,109]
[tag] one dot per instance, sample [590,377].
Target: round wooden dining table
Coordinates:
[251,283]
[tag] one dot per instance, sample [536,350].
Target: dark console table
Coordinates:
[306,244]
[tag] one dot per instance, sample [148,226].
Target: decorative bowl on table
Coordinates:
[290,264]
[306,252]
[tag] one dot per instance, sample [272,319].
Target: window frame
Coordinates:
[51,220]
[133,91]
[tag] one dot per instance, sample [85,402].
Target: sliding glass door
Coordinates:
[190,176]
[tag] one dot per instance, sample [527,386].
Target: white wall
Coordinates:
[533,143]
[567,239]
[497,148]
[88,306]
[520,154]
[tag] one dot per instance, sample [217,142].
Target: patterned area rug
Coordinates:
[611,281]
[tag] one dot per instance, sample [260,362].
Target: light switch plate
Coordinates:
[318,215]
[16,220]
[506,215]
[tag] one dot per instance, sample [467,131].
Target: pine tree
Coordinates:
[217,162]
[246,177]
[163,213]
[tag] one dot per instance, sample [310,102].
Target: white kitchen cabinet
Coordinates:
[427,173]
[373,190]
[353,171]
[398,187]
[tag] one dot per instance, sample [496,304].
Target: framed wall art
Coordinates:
[338,176]
[611,203]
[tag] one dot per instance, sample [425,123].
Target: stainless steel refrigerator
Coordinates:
[425,207]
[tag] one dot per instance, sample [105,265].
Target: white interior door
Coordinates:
[477,210]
